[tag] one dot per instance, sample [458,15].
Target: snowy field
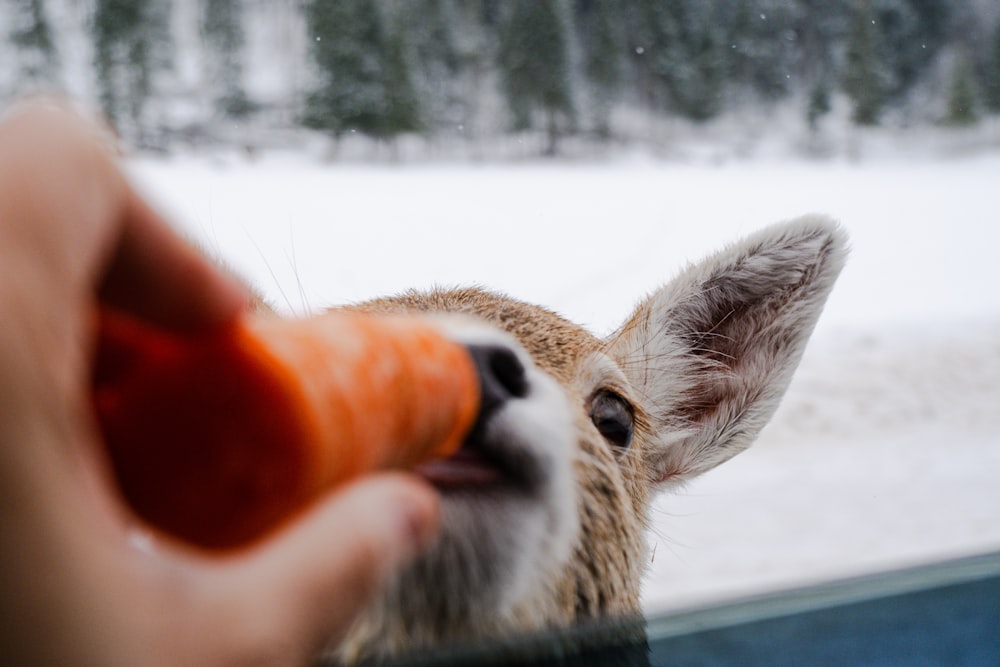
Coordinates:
[886,451]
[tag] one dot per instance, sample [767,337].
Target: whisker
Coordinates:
[270,270]
[293,264]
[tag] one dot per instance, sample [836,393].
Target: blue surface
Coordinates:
[951,625]
[941,614]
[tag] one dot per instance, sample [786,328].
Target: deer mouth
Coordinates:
[466,468]
[482,463]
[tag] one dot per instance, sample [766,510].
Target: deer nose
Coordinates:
[501,377]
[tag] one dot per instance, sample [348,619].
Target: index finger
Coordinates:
[154,274]
[74,217]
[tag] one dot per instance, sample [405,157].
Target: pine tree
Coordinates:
[33,38]
[604,48]
[912,33]
[535,65]
[222,31]
[431,32]
[681,56]
[348,45]
[115,27]
[819,104]
[698,95]
[762,53]
[962,96]
[157,33]
[991,88]
[864,78]
[742,44]
[820,34]
[402,111]
[131,47]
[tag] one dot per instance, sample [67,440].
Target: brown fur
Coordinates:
[608,561]
[703,363]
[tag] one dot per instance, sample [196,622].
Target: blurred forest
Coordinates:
[451,71]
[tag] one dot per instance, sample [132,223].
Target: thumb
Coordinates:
[319,573]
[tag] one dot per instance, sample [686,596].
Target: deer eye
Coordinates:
[612,415]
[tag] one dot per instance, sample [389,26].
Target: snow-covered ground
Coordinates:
[887,448]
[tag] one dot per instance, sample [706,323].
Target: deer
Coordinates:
[546,505]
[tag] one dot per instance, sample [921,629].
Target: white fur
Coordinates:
[702,362]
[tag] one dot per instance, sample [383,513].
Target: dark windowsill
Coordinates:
[946,613]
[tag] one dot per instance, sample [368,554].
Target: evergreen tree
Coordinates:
[477,93]
[535,65]
[431,34]
[819,104]
[991,88]
[912,33]
[864,78]
[762,47]
[116,26]
[402,112]
[33,38]
[348,45]
[348,92]
[742,44]
[131,46]
[604,48]
[821,30]
[222,31]
[681,50]
[158,35]
[962,96]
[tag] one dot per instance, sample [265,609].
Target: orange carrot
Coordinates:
[219,438]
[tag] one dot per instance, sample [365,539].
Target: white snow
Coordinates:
[887,448]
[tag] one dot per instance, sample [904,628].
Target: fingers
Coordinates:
[158,276]
[318,575]
[71,211]
[59,192]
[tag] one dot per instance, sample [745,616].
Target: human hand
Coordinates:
[76,586]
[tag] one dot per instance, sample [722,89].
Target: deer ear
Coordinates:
[712,352]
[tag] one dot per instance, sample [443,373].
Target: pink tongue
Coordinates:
[465,468]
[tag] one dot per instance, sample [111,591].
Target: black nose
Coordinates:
[501,377]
